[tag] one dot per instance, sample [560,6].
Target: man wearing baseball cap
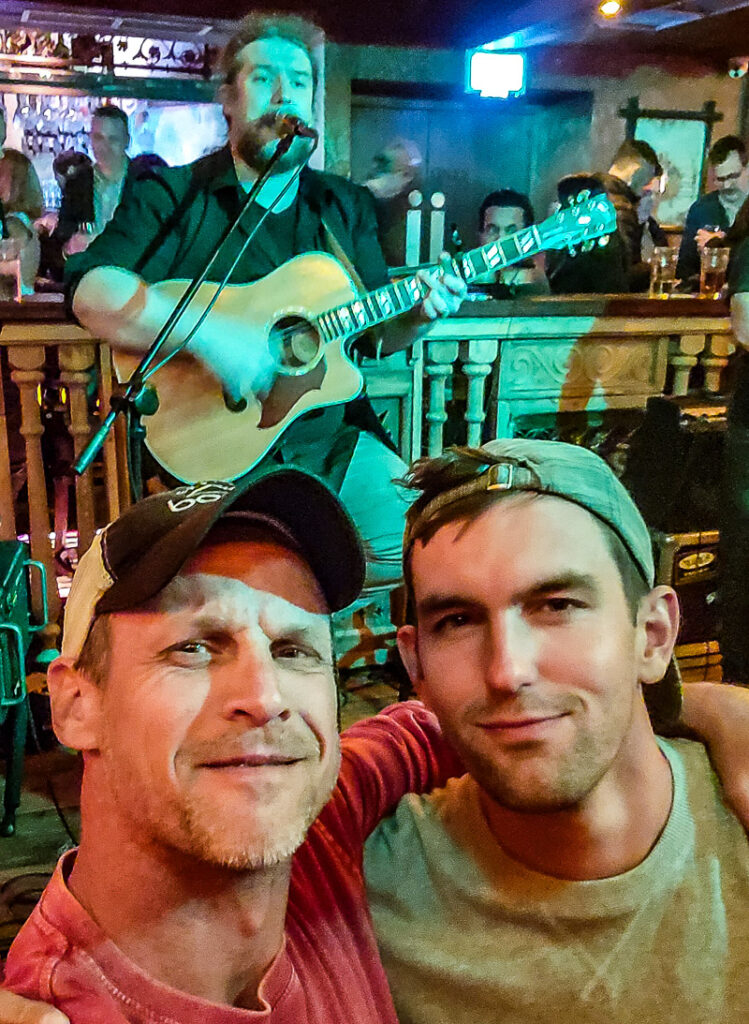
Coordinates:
[197,678]
[584,870]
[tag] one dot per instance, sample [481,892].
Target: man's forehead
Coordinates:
[274,50]
[259,558]
[731,163]
[226,595]
[539,517]
[504,213]
[108,126]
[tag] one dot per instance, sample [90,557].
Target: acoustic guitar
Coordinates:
[309,311]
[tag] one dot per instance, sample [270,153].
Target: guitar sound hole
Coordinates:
[296,341]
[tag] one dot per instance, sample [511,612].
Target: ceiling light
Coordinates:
[610,8]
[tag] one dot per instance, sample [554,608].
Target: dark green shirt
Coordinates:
[168,226]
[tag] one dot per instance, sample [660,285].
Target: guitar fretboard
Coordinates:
[391,300]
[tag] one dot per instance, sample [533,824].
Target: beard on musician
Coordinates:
[258,142]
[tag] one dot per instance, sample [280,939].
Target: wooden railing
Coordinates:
[43,351]
[507,360]
[503,361]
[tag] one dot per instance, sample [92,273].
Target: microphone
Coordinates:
[289,124]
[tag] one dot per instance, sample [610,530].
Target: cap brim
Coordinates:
[301,503]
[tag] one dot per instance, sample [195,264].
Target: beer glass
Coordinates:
[713,268]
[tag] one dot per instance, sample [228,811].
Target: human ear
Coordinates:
[407,638]
[658,626]
[76,705]
[225,95]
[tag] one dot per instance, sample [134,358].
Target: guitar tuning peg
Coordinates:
[572,251]
[588,245]
[603,241]
[584,196]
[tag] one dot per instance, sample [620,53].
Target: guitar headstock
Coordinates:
[584,221]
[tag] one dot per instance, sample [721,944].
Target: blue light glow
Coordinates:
[497,74]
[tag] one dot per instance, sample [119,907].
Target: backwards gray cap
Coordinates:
[578,475]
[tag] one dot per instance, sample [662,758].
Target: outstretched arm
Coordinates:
[719,715]
[17,1010]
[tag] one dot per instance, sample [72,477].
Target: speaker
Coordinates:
[690,563]
[675,461]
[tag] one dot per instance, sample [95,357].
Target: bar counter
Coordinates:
[570,354]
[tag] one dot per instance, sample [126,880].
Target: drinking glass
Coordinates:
[663,271]
[10,268]
[713,268]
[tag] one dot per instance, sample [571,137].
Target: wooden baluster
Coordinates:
[416,365]
[719,347]
[683,357]
[7,512]
[413,229]
[440,356]
[437,226]
[27,364]
[478,358]
[76,363]
[116,500]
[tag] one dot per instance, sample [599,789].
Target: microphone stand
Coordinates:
[136,400]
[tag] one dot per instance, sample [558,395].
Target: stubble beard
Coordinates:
[533,778]
[213,845]
[535,784]
[256,148]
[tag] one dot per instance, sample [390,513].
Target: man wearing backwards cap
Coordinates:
[197,678]
[208,749]
[583,870]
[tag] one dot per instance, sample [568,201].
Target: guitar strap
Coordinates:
[337,250]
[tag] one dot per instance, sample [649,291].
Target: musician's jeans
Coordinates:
[377,506]
[361,469]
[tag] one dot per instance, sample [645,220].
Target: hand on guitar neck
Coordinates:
[119,307]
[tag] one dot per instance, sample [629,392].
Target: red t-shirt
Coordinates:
[328,972]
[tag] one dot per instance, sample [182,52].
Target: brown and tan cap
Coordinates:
[139,553]
[578,475]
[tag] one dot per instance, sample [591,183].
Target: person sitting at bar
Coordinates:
[603,269]
[73,173]
[713,214]
[635,171]
[91,195]
[21,198]
[503,213]
[396,172]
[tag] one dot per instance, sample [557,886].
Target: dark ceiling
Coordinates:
[719,29]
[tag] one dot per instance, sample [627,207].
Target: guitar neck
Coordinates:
[383,304]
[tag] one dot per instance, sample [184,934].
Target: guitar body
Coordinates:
[194,434]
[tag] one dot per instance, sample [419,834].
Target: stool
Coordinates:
[16,632]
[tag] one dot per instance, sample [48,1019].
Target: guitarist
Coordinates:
[168,227]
